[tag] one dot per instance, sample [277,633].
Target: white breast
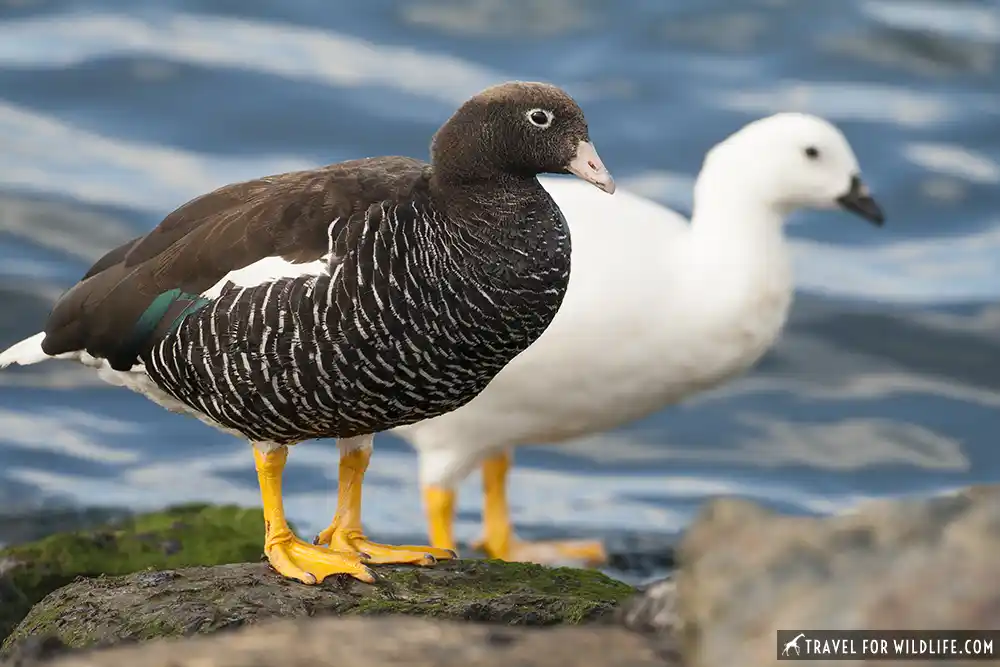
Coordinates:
[647,320]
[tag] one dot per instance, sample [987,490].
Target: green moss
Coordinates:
[493,590]
[177,537]
[150,628]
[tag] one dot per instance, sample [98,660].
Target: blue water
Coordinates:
[886,382]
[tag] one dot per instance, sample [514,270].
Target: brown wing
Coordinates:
[286,215]
[111,258]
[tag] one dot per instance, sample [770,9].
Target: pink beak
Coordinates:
[588,166]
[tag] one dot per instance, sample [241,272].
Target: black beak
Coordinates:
[859,201]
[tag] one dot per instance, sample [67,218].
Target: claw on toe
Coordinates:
[438,554]
[310,564]
[387,554]
[382,554]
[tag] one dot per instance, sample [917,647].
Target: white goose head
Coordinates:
[787,162]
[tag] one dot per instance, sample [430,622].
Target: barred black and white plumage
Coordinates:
[414,320]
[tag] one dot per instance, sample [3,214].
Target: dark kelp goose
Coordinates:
[342,301]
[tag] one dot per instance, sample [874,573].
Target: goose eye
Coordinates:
[540,117]
[812,152]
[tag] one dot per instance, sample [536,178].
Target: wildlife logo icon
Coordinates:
[793,644]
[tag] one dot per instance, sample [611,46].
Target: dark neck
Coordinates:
[493,201]
[513,236]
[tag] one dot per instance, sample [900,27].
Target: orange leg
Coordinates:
[439,506]
[289,555]
[344,532]
[499,540]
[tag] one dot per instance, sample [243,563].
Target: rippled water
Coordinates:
[886,382]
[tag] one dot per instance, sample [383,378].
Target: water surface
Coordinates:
[886,383]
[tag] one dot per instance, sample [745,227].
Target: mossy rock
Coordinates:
[109,610]
[178,537]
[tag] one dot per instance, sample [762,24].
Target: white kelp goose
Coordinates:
[658,308]
[341,301]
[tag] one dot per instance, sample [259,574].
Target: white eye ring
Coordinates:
[533,117]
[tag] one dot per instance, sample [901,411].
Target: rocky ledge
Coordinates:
[174,603]
[743,573]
